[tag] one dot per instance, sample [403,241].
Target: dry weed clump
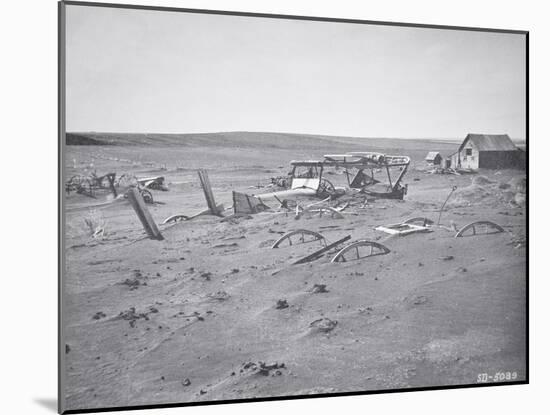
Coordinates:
[95,223]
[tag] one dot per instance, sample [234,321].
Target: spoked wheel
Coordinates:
[482,227]
[326,188]
[301,236]
[359,250]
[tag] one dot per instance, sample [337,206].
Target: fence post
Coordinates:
[111,178]
[205,183]
[137,202]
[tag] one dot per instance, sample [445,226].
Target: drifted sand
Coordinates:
[195,317]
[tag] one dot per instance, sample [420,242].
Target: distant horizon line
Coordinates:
[292,133]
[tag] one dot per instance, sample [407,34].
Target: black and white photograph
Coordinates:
[257,207]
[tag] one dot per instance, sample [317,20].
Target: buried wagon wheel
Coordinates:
[326,188]
[359,250]
[482,227]
[302,236]
[175,218]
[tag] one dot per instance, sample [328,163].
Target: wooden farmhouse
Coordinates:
[489,151]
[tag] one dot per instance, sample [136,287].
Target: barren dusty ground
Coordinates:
[194,317]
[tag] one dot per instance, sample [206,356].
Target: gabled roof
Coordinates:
[432,155]
[490,142]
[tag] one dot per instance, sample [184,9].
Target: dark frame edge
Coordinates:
[289,17]
[290,397]
[60,215]
[527,206]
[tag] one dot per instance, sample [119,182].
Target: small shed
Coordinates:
[433,158]
[490,151]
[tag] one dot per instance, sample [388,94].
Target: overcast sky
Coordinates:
[152,71]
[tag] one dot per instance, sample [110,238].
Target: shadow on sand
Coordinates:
[48,403]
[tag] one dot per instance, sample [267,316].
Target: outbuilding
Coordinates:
[433,158]
[490,151]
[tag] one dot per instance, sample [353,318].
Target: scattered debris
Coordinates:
[262,368]
[131,316]
[447,257]
[219,295]
[99,315]
[334,212]
[402,229]
[421,299]
[206,275]
[281,304]
[324,325]
[444,170]
[136,281]
[319,288]
[230,245]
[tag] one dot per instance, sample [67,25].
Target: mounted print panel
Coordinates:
[257,207]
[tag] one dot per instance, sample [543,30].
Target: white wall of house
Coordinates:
[469,156]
